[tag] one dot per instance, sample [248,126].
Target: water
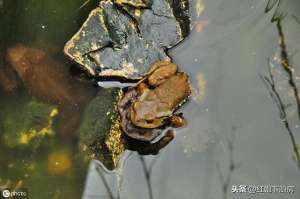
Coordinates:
[232,122]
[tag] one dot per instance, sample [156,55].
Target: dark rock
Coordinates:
[125,37]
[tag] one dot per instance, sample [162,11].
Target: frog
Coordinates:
[160,94]
[148,108]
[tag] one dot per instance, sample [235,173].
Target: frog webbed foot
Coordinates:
[176,121]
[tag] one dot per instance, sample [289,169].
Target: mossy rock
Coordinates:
[99,132]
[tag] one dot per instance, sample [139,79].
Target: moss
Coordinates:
[99,132]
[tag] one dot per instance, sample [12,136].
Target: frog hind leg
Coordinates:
[154,148]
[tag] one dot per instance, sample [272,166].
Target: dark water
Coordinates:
[235,135]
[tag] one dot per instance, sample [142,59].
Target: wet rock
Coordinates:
[165,22]
[126,37]
[99,132]
[157,22]
[117,50]
[181,12]
[101,136]
[135,3]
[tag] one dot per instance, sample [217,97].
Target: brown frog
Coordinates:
[148,108]
[160,94]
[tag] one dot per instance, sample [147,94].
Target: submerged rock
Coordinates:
[125,37]
[45,80]
[8,79]
[99,132]
[43,76]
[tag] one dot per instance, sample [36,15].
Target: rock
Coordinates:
[41,75]
[181,12]
[99,132]
[135,3]
[124,38]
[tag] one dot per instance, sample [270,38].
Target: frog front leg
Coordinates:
[177,121]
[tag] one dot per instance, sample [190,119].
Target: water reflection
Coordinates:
[109,179]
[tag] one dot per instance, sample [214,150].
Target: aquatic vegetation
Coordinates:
[271,84]
[273,91]
[278,14]
[287,66]
[30,126]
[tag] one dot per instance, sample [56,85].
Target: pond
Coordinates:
[243,118]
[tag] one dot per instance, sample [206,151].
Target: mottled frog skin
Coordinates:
[149,106]
[160,94]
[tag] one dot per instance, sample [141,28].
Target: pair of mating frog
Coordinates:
[147,109]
